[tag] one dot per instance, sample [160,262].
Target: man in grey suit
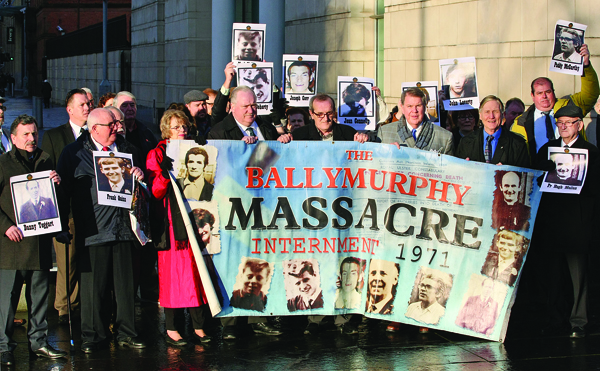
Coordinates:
[53,142]
[413,129]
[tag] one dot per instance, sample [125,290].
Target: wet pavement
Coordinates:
[371,349]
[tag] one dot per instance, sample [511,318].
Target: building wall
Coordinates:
[85,70]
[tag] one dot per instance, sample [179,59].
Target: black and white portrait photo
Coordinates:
[430,293]
[570,170]
[350,283]
[248,42]
[511,200]
[459,83]
[505,257]
[259,78]
[113,174]
[252,285]
[382,283]
[195,174]
[302,284]
[567,52]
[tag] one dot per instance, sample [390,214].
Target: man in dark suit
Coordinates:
[311,295]
[382,283]
[569,245]
[23,259]
[113,169]
[243,123]
[564,170]
[37,208]
[53,143]
[491,143]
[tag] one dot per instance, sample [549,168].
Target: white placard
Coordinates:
[356,102]
[568,38]
[258,77]
[459,83]
[248,42]
[114,181]
[570,172]
[299,78]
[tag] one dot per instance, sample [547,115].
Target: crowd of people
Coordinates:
[102,257]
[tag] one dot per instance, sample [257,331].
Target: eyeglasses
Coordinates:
[322,115]
[567,123]
[110,125]
[179,127]
[562,38]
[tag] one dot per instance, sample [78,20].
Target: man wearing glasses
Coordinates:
[569,41]
[53,143]
[567,243]
[414,130]
[106,254]
[324,126]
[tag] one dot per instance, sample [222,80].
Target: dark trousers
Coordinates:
[36,294]
[196,313]
[99,266]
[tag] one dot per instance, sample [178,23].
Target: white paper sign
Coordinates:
[570,172]
[114,181]
[459,83]
[299,78]
[356,102]
[258,77]
[568,39]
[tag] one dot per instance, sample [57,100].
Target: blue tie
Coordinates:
[414,134]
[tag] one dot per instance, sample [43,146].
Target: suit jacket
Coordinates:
[55,140]
[104,186]
[44,210]
[310,132]
[441,141]
[510,150]
[577,228]
[251,302]
[228,129]
[205,195]
[297,303]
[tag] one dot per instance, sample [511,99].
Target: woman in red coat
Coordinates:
[179,281]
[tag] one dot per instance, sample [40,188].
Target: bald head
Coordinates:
[102,126]
[510,187]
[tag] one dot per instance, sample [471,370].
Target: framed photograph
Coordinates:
[300,78]
[34,202]
[568,39]
[258,77]
[430,88]
[570,172]
[356,102]
[114,182]
[248,43]
[459,83]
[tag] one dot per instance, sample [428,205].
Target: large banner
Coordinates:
[403,235]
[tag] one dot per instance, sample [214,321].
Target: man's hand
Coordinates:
[377,91]
[585,53]
[249,140]
[14,234]
[137,173]
[54,177]
[285,138]
[361,137]
[396,144]
[229,73]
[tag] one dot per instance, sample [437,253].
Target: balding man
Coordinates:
[106,256]
[537,125]
[509,211]
[53,143]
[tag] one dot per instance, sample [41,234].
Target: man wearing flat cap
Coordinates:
[195,103]
[565,229]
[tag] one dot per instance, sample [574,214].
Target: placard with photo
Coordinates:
[356,102]
[459,83]
[568,39]
[248,43]
[114,181]
[258,77]
[299,78]
[430,88]
[570,172]
[34,201]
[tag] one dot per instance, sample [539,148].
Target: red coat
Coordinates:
[178,277]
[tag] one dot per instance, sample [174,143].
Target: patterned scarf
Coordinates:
[424,137]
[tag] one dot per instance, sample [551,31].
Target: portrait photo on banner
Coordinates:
[568,39]
[300,78]
[205,219]
[248,43]
[114,181]
[481,305]
[571,170]
[459,83]
[252,284]
[302,283]
[194,169]
[512,207]
[356,102]
[34,202]
[430,89]
[350,282]
[431,290]
[382,284]
[505,257]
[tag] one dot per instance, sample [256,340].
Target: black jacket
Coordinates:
[310,132]
[228,129]
[511,148]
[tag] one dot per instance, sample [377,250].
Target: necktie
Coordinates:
[106,149]
[250,132]
[549,129]
[414,133]
[488,149]
[2,149]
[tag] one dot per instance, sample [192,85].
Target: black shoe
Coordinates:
[312,329]
[228,333]
[63,319]
[204,339]
[88,347]
[177,343]
[347,329]
[132,343]
[49,352]
[264,329]
[8,358]
[577,332]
